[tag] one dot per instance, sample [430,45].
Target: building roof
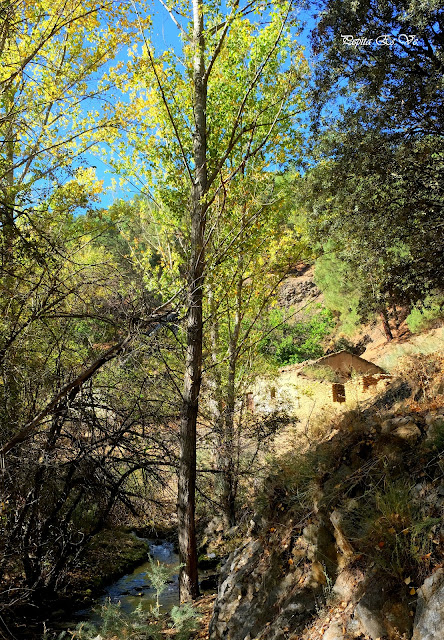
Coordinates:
[344,362]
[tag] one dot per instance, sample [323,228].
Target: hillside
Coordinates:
[299,291]
[347,541]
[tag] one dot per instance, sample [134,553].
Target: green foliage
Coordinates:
[289,342]
[398,85]
[159,574]
[438,436]
[294,484]
[115,623]
[375,196]
[379,237]
[425,315]
[185,620]
[137,625]
[391,521]
[339,285]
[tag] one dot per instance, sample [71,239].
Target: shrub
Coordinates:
[438,436]
[289,342]
[185,620]
[117,624]
[159,574]
[390,522]
[425,316]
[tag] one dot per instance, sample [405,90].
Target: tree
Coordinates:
[376,206]
[76,440]
[375,193]
[249,256]
[65,314]
[50,54]
[82,343]
[233,104]
[399,75]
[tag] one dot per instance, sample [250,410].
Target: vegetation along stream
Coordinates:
[136,590]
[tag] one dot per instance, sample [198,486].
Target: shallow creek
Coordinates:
[134,589]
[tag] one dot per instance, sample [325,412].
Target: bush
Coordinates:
[438,436]
[185,620]
[289,343]
[425,316]
[391,522]
[137,625]
[117,624]
[159,574]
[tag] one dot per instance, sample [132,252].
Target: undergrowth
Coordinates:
[137,625]
[387,493]
[427,315]
[389,525]
[288,341]
[115,623]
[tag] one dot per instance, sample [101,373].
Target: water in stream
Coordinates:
[134,589]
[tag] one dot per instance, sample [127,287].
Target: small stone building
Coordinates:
[301,390]
[346,364]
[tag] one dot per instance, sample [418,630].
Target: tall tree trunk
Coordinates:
[229,475]
[396,318]
[9,394]
[385,323]
[188,581]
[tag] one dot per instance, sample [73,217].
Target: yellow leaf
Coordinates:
[412,591]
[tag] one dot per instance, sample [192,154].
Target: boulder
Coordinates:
[347,585]
[344,545]
[434,424]
[429,618]
[215,526]
[294,291]
[401,420]
[260,596]
[383,610]
[370,619]
[409,431]
[334,632]
[387,426]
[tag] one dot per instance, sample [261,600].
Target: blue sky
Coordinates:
[164,36]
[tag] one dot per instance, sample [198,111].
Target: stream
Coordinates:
[134,589]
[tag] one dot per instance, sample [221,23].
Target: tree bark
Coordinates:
[188,580]
[230,479]
[9,396]
[385,323]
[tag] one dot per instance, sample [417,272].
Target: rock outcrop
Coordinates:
[299,288]
[339,554]
[429,619]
